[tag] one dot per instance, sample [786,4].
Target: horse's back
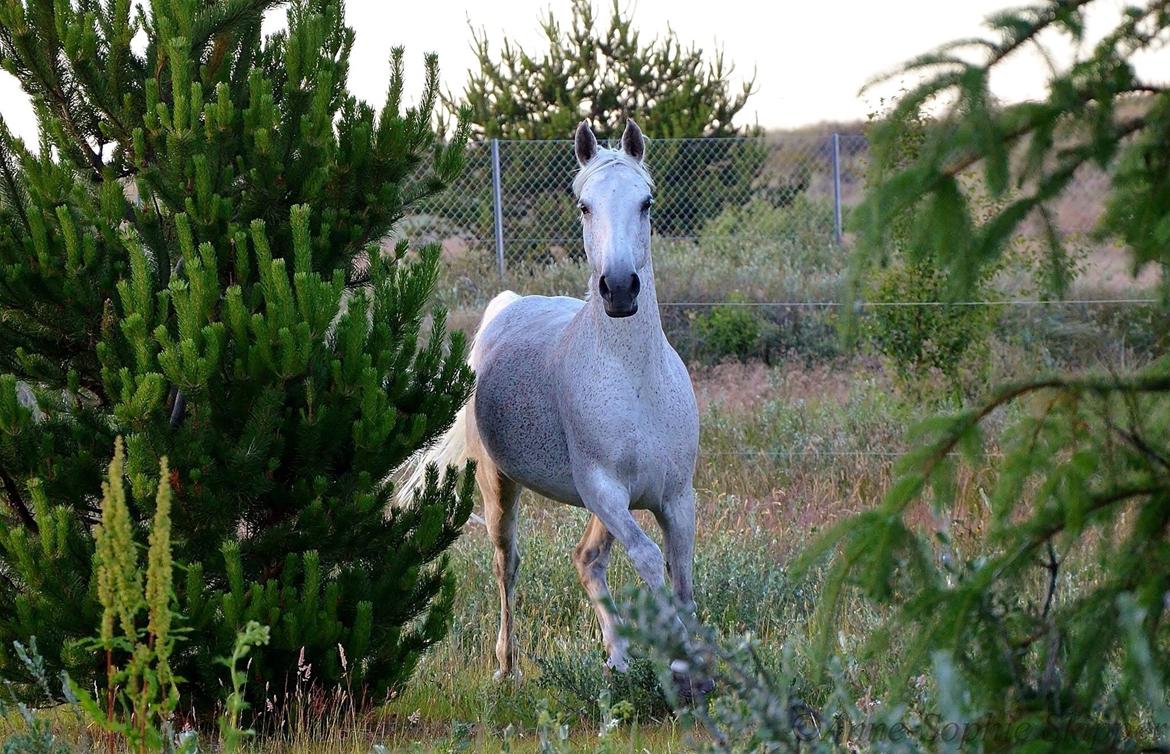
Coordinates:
[513,321]
[516,412]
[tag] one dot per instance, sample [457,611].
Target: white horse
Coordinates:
[585,402]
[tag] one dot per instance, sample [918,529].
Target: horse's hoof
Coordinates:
[691,688]
[804,720]
[617,664]
[514,675]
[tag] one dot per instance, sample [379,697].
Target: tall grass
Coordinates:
[786,450]
[809,447]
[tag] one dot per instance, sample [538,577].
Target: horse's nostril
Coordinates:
[602,288]
[635,284]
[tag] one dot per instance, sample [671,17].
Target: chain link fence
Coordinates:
[751,260]
[514,205]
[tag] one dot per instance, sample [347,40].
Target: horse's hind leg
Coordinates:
[500,496]
[591,557]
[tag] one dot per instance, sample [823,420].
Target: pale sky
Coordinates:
[810,58]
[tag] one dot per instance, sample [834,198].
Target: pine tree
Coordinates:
[1084,477]
[602,75]
[190,258]
[605,74]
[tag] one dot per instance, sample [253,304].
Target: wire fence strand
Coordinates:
[879,304]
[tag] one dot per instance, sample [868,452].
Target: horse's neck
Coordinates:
[634,340]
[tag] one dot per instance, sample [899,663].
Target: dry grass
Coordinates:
[785,451]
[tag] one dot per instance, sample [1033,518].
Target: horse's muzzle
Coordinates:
[620,297]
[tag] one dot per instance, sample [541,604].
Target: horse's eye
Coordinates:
[583,207]
[646,204]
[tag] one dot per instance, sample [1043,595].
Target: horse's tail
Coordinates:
[448,450]
[451,448]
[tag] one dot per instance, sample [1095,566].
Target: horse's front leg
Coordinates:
[609,500]
[676,516]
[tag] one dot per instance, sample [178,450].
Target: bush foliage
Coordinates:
[923,337]
[914,322]
[727,330]
[190,259]
[1083,475]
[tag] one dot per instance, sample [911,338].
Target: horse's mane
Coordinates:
[604,159]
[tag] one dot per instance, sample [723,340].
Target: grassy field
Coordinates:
[797,432]
[786,450]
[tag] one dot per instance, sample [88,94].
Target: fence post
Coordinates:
[837,187]
[497,207]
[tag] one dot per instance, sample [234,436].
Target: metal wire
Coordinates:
[810,452]
[878,304]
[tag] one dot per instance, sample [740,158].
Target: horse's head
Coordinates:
[613,194]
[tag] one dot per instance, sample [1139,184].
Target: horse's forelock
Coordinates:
[607,158]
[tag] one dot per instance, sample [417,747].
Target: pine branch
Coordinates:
[1009,393]
[1011,137]
[9,584]
[12,493]
[1096,503]
[12,186]
[1052,565]
[1051,15]
[57,100]
[1136,441]
[223,17]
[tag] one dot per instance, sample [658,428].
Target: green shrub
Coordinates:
[913,322]
[579,681]
[727,331]
[796,238]
[923,337]
[190,260]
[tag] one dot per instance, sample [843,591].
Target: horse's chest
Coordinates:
[645,433]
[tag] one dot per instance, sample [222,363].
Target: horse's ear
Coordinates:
[584,143]
[633,142]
